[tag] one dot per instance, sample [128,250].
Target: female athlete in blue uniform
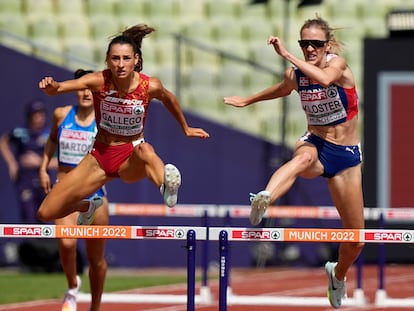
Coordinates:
[331,146]
[72,135]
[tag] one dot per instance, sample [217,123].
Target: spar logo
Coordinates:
[28,231]
[139,109]
[160,233]
[389,236]
[47,231]
[255,235]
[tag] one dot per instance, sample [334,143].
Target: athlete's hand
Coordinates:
[197,132]
[49,85]
[236,101]
[277,45]
[45,181]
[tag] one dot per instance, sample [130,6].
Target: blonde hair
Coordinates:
[336,46]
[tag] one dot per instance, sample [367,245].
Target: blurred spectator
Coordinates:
[22,150]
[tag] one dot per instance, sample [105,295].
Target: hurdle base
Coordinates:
[205,295]
[359,298]
[142,298]
[382,300]
[233,299]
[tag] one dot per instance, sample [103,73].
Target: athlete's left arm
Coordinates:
[158,91]
[332,73]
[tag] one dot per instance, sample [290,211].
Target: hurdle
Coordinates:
[297,212]
[223,235]
[206,234]
[381,297]
[205,211]
[190,234]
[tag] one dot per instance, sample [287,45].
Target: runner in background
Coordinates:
[72,135]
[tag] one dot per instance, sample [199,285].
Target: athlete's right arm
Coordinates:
[50,149]
[89,81]
[280,89]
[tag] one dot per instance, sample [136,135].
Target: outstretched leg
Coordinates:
[304,163]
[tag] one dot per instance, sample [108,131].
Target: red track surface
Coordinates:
[300,282]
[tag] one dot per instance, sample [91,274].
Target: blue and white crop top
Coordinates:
[326,105]
[74,140]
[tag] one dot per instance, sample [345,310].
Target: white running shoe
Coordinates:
[172,181]
[86,218]
[336,289]
[69,300]
[259,204]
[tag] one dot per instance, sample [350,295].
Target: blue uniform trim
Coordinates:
[101,192]
[334,158]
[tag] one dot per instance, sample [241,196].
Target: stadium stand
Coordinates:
[82,28]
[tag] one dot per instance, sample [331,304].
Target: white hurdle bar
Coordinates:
[405,214]
[119,232]
[306,235]
[234,234]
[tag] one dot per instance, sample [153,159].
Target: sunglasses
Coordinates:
[313,43]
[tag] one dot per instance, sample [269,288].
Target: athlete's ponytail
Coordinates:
[133,36]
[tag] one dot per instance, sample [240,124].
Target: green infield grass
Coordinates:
[17,286]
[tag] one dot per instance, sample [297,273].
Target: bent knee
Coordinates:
[359,246]
[304,157]
[304,160]
[68,244]
[146,152]
[42,215]
[144,148]
[355,247]
[97,263]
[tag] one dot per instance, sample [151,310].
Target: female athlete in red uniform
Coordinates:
[122,95]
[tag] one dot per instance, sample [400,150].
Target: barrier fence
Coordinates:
[226,234]
[234,234]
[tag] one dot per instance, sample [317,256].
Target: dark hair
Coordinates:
[81,72]
[132,36]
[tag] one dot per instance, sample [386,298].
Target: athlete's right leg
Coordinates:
[304,163]
[67,251]
[79,183]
